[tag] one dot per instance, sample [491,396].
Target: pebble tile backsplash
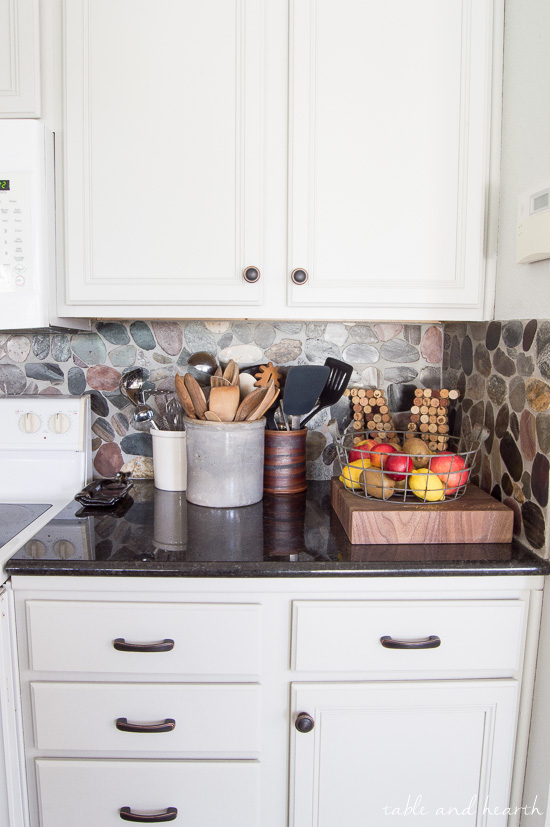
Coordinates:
[503,372]
[60,363]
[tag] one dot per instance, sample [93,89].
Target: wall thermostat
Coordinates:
[533,227]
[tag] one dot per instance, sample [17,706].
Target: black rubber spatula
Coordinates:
[303,386]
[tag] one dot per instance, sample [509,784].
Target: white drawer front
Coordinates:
[210,720]
[91,793]
[477,636]
[210,639]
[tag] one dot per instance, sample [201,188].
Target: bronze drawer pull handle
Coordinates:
[299,275]
[251,274]
[167,725]
[431,642]
[170,814]
[162,646]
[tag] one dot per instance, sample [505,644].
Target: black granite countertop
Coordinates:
[157,533]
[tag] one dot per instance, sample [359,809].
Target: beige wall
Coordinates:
[523,291]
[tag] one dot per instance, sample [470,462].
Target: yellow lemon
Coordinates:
[351,473]
[426,485]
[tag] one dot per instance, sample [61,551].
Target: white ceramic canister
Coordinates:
[225,462]
[170,460]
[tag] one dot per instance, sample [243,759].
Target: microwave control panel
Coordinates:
[15,232]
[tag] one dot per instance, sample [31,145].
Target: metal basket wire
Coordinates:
[409,485]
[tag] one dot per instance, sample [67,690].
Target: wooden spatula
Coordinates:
[249,404]
[267,401]
[224,402]
[183,396]
[197,396]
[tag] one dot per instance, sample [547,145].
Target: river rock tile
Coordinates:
[485,474]
[76,380]
[336,333]
[96,442]
[139,468]
[529,334]
[467,405]
[104,430]
[507,484]
[516,510]
[50,390]
[526,485]
[12,379]
[120,424]
[315,330]
[137,444]
[460,384]
[502,363]
[496,465]
[458,328]
[18,348]
[454,356]
[184,356]
[102,378]
[169,336]
[264,335]
[89,348]
[329,454]
[497,389]
[543,335]
[244,331]
[225,340]
[538,395]
[386,332]
[315,443]
[476,386]
[400,374]
[363,334]
[41,345]
[61,348]
[543,361]
[117,400]
[528,435]
[217,327]
[478,331]
[477,414]
[482,360]
[250,354]
[122,357]
[114,332]
[142,335]
[539,479]
[31,389]
[518,494]
[512,333]
[396,350]
[317,350]
[430,377]
[360,354]
[108,461]
[489,422]
[516,393]
[292,328]
[514,425]
[162,359]
[370,378]
[45,372]
[509,452]
[543,432]
[412,333]
[492,337]
[99,404]
[496,492]
[431,346]
[533,524]
[525,365]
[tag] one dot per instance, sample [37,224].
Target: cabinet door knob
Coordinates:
[431,642]
[299,275]
[251,274]
[165,645]
[170,814]
[304,722]
[167,725]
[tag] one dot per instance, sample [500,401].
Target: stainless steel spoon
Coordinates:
[131,385]
[203,366]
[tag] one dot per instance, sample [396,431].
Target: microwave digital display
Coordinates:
[4,185]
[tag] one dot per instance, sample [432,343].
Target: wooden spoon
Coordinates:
[184,398]
[249,404]
[267,402]
[228,372]
[211,416]
[196,394]
[224,402]
[219,382]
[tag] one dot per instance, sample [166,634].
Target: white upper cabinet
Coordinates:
[355,143]
[19,59]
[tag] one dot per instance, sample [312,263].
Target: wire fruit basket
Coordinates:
[382,471]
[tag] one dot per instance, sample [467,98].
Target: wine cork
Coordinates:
[454,394]
[361,392]
[427,393]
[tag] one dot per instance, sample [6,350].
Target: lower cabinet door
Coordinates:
[108,793]
[376,753]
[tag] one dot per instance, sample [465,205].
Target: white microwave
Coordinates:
[28,295]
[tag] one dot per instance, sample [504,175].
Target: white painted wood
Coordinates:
[389,156]
[340,636]
[207,794]
[213,640]
[19,59]
[163,152]
[212,721]
[436,746]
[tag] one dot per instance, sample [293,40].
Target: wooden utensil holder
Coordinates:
[285,462]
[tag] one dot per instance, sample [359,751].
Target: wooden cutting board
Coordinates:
[474,518]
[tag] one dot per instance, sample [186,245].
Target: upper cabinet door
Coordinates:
[163,158]
[19,59]
[390,118]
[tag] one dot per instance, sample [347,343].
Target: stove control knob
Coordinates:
[59,423]
[29,423]
[64,549]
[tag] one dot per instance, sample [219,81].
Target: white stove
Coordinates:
[45,459]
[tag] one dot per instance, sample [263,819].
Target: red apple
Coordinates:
[397,466]
[376,456]
[448,468]
[362,449]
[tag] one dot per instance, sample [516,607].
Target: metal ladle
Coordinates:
[204,366]
[131,386]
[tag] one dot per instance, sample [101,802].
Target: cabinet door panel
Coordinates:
[19,59]
[389,154]
[378,749]
[163,154]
